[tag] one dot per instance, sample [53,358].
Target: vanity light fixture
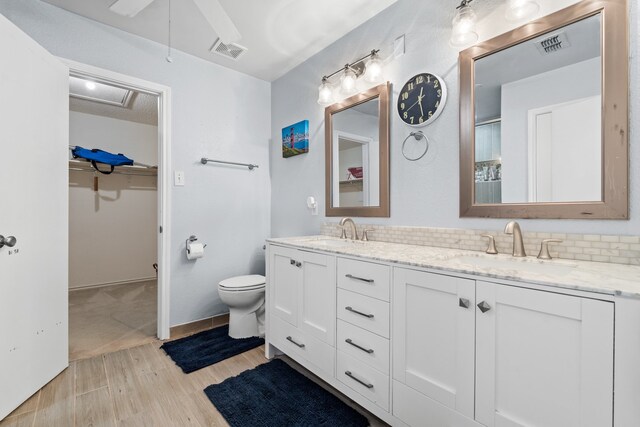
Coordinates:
[520,10]
[371,72]
[463,32]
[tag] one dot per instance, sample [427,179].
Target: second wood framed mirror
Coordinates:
[544,118]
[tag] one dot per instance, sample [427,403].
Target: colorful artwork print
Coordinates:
[295,139]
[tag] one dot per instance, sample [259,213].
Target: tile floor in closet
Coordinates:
[110,318]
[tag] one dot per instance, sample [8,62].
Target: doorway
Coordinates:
[119,223]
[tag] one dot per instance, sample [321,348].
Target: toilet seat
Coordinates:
[243,283]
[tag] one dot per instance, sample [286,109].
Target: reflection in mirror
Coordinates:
[356,160]
[538,118]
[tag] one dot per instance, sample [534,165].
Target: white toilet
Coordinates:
[245,297]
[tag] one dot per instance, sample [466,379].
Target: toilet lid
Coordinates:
[251,281]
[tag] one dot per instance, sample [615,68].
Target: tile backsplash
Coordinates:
[586,247]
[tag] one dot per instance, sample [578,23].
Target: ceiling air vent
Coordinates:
[229,50]
[553,44]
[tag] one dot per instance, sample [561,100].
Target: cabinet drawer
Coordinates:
[364,277]
[366,312]
[368,347]
[292,341]
[363,379]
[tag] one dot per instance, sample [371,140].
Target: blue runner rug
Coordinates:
[206,348]
[276,395]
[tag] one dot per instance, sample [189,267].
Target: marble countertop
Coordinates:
[604,278]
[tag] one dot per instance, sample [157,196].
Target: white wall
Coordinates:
[216,112]
[576,81]
[112,233]
[423,193]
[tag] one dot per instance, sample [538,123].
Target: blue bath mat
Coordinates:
[276,395]
[206,348]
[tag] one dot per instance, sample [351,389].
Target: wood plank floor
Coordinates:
[139,386]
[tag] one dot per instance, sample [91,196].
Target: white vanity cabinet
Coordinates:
[435,348]
[434,337]
[526,357]
[301,301]
[543,359]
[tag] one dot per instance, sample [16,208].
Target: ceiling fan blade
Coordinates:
[219,20]
[129,8]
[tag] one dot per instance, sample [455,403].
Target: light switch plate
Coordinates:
[178,178]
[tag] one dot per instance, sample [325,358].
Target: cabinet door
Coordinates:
[318,296]
[286,276]
[433,332]
[543,359]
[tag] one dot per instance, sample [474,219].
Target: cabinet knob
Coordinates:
[464,303]
[484,306]
[298,264]
[292,261]
[9,241]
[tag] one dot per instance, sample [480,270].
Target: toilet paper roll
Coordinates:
[195,250]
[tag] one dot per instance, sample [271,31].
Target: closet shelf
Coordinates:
[85,166]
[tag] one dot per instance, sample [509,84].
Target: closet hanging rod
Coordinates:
[204,161]
[115,172]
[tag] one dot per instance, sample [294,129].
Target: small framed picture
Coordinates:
[295,139]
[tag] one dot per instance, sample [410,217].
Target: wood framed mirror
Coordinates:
[544,118]
[357,155]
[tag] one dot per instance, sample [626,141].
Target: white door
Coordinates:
[318,296]
[542,359]
[565,158]
[286,275]
[34,126]
[434,336]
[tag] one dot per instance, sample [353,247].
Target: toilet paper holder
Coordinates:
[190,240]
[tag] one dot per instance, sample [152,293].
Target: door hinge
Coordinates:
[160,229]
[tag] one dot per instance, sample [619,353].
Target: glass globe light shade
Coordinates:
[373,71]
[348,82]
[463,31]
[325,94]
[519,10]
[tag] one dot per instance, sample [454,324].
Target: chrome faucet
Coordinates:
[354,230]
[518,244]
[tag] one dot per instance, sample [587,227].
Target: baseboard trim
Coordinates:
[102,285]
[198,325]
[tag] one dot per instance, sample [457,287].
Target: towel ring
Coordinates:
[419,136]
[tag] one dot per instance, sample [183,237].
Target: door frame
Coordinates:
[164,175]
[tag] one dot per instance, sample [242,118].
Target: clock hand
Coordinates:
[413,105]
[420,101]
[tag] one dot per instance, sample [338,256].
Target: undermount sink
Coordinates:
[518,264]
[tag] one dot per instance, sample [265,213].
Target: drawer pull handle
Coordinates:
[292,340]
[369,316]
[351,276]
[366,350]
[353,377]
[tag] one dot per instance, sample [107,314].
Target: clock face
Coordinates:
[422,99]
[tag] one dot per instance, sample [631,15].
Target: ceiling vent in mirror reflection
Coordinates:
[229,50]
[553,44]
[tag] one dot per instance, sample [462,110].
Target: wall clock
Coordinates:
[422,99]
